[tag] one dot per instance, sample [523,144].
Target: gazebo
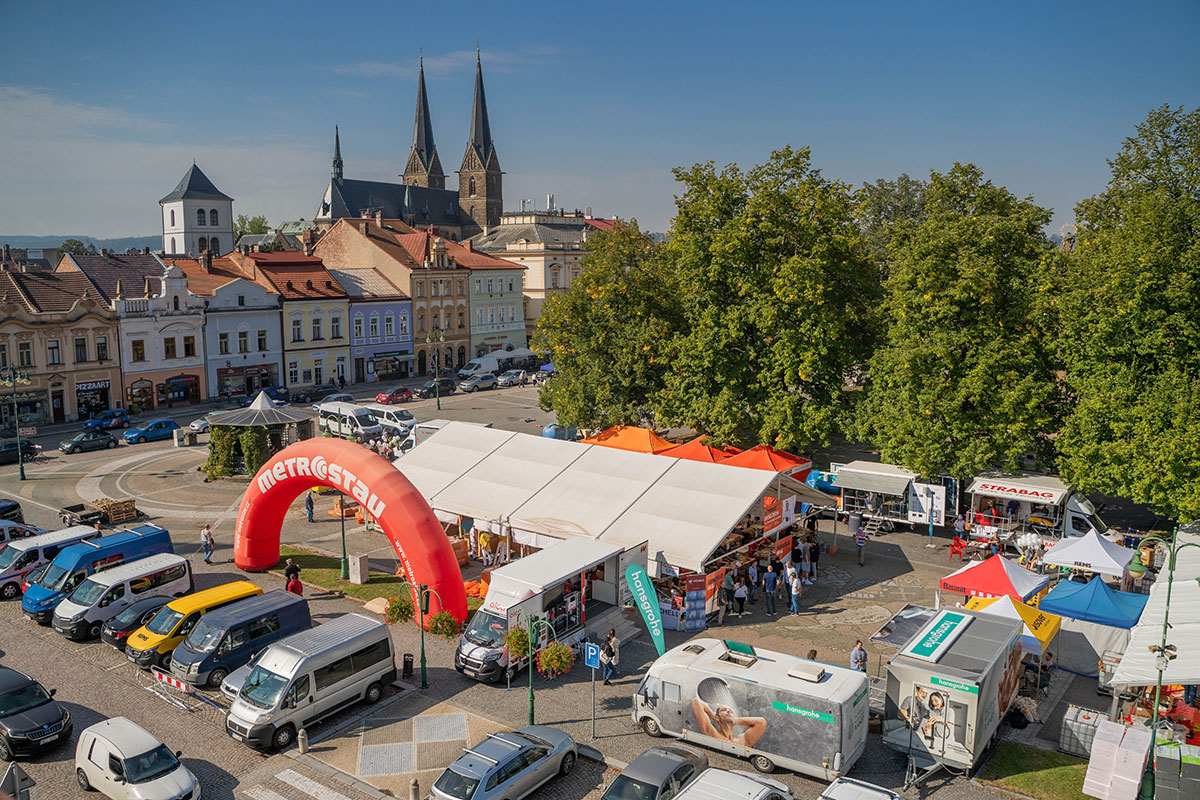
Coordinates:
[764,456]
[696,450]
[240,441]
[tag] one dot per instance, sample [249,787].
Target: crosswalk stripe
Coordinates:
[309,786]
[260,793]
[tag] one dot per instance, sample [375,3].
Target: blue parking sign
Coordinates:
[591,655]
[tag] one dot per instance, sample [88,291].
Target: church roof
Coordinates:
[356,198]
[422,143]
[481,131]
[195,185]
[45,291]
[103,271]
[367,283]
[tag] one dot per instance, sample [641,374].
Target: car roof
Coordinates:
[850,789]
[11,678]
[655,765]
[720,784]
[478,761]
[129,737]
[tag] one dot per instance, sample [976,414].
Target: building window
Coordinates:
[478,286]
[25,354]
[491,315]
[214,244]
[102,348]
[139,350]
[374,326]
[421,322]
[358,328]
[502,309]
[318,330]
[223,343]
[173,243]
[175,303]
[169,348]
[471,187]
[3,355]
[436,321]
[490,287]
[189,346]
[80,350]
[262,341]
[510,284]
[243,341]
[554,277]
[172,225]
[53,356]
[200,217]
[297,330]
[403,325]
[203,244]
[341,368]
[420,288]
[318,372]
[389,326]
[212,218]
[462,318]
[241,299]
[335,326]
[293,373]
[479,316]
[461,286]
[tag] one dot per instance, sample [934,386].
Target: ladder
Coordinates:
[873,527]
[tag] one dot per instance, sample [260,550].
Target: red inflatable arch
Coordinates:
[379,487]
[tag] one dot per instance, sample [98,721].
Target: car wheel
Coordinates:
[81,779]
[217,677]
[72,451]
[10,591]
[283,737]
[650,726]
[374,693]
[94,631]
[5,750]
[164,661]
[111,445]
[566,765]
[762,764]
[141,440]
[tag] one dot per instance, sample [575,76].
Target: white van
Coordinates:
[119,758]
[348,420]
[478,366]
[725,784]
[106,593]
[395,421]
[23,556]
[309,676]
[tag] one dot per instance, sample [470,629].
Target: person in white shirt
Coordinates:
[739,596]
[797,590]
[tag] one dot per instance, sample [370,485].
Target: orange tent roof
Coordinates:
[696,450]
[766,457]
[627,437]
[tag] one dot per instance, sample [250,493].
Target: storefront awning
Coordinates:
[867,476]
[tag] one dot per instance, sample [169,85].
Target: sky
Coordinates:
[103,107]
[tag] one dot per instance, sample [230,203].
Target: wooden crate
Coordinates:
[117,511]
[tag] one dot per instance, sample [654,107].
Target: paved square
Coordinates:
[438,727]
[385,759]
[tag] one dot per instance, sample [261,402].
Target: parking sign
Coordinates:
[591,655]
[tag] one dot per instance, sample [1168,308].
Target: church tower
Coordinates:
[423,168]
[479,189]
[197,216]
[337,155]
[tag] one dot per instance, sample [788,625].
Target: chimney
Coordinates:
[119,292]
[366,226]
[145,251]
[379,217]
[467,243]
[7,255]
[307,249]
[206,261]
[588,212]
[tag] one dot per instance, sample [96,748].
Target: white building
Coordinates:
[196,217]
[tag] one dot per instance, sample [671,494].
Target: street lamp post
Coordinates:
[423,592]
[534,622]
[11,376]
[439,336]
[342,517]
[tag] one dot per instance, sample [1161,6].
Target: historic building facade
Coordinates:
[196,216]
[381,344]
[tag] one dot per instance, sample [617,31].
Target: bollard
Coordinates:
[414,790]
[407,669]
[302,740]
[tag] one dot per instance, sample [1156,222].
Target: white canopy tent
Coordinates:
[1092,552]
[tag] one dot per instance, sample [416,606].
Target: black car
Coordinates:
[11,509]
[430,388]
[132,617]
[88,440]
[314,394]
[30,720]
[8,451]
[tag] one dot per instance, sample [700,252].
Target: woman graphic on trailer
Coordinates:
[716,716]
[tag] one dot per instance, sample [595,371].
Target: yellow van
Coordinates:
[153,643]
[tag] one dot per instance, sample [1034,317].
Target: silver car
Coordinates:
[513,377]
[850,789]
[660,773]
[508,765]
[199,425]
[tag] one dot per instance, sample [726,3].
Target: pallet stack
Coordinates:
[117,511]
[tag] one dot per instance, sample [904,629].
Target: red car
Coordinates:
[395,396]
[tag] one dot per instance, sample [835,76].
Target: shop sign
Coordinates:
[27,431]
[937,636]
[777,516]
[83,387]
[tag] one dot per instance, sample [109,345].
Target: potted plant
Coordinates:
[517,642]
[445,625]
[399,608]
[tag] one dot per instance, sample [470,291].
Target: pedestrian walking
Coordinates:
[797,589]
[860,541]
[739,595]
[206,543]
[291,571]
[770,586]
[295,587]
[610,656]
[308,506]
[858,657]
[342,382]
[753,584]
[960,526]
[722,606]
[814,555]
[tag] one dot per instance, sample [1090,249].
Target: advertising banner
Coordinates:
[646,600]
[783,548]
[776,517]
[713,585]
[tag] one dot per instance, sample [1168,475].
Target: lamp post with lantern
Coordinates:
[14,377]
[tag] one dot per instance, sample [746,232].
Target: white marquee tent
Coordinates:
[1092,552]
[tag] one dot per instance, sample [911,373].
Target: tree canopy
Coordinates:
[73,246]
[885,205]
[249,225]
[1131,323]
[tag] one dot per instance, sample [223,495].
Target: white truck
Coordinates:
[574,587]
[1031,503]
[891,494]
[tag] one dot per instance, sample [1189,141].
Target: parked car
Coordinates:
[316,393]
[660,773]
[88,440]
[513,377]
[477,382]
[199,425]
[152,431]
[107,420]
[11,509]
[395,421]
[280,394]
[30,719]
[398,395]
[8,451]
[507,765]
[445,386]
[342,397]
[15,531]
[541,377]
[850,789]
[117,629]
[234,681]
[121,759]
[734,783]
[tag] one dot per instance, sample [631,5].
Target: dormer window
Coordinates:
[309,284]
[288,284]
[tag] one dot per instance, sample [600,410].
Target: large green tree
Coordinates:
[779,294]
[73,246]
[965,377]
[249,225]
[606,334]
[885,205]
[1131,323]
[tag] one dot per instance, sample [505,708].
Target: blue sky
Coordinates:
[103,110]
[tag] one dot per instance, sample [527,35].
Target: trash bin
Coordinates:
[408,665]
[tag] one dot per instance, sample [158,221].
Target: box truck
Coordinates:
[771,708]
[1028,502]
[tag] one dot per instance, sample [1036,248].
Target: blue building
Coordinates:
[381,343]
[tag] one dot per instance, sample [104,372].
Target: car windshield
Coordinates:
[150,765]
[430,384]
[263,688]
[205,637]
[401,413]
[87,593]
[54,577]
[626,788]
[79,437]
[486,629]
[36,575]
[9,555]
[453,784]
[31,695]
[129,615]
[164,621]
[367,418]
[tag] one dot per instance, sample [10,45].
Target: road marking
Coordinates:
[260,793]
[27,500]
[309,786]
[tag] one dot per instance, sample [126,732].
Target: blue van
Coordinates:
[73,564]
[227,638]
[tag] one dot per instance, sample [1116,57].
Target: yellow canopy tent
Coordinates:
[1040,627]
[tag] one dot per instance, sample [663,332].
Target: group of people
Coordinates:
[786,578]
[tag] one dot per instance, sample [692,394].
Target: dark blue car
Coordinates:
[151,431]
[107,420]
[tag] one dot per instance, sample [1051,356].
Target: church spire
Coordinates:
[480,191]
[337,155]
[424,168]
[481,131]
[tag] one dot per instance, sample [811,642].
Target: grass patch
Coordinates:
[1042,774]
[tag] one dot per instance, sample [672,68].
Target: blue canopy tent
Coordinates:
[547,368]
[1096,620]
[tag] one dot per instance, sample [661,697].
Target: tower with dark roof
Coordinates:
[479,179]
[424,168]
[337,155]
[197,216]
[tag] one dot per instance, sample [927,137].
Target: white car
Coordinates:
[850,789]
[199,425]
[123,761]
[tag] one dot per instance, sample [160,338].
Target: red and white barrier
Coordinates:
[171,680]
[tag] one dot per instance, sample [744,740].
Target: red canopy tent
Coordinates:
[995,577]
[766,457]
[696,450]
[628,437]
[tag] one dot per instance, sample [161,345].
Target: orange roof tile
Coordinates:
[200,282]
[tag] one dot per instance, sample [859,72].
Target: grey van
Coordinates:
[310,676]
[227,638]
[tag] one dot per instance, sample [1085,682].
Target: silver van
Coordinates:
[23,556]
[106,593]
[309,676]
[348,420]
[396,421]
